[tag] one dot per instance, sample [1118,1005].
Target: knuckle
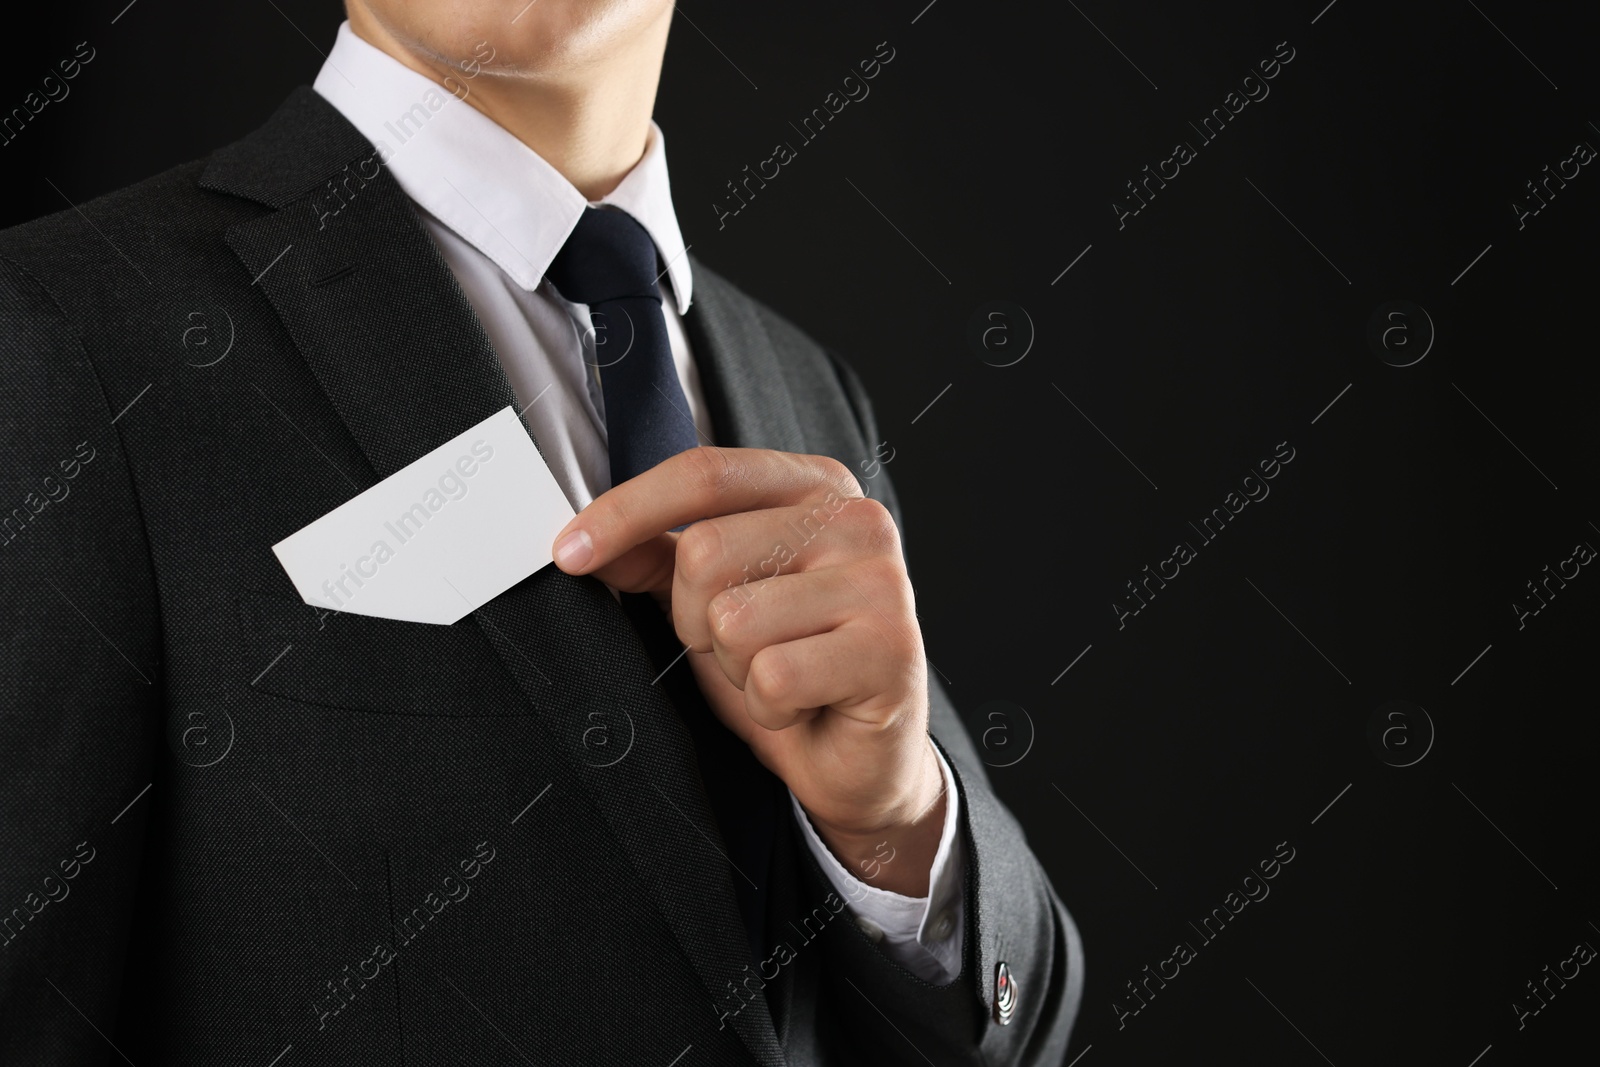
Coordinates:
[699,551]
[707,469]
[888,579]
[904,669]
[912,715]
[771,677]
[876,525]
[888,589]
[911,656]
[840,478]
[730,617]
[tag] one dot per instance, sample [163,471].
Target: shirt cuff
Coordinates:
[924,935]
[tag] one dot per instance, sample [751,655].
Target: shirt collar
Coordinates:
[474,176]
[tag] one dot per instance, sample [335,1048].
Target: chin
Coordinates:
[509,38]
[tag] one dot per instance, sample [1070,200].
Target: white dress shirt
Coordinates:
[499,214]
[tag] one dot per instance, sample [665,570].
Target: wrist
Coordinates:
[896,851]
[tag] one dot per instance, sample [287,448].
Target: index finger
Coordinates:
[700,483]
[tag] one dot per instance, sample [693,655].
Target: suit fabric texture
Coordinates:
[350,840]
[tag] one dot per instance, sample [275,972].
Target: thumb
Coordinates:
[645,568]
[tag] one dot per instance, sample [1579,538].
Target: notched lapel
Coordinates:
[381,321]
[751,405]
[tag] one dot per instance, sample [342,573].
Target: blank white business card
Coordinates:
[438,538]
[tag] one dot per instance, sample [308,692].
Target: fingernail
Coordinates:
[574,550]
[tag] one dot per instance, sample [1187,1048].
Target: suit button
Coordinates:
[1005,993]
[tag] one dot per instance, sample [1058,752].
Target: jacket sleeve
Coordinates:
[79,692]
[884,1014]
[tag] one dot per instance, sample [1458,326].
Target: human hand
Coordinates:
[791,594]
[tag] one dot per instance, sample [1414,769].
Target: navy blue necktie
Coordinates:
[609,263]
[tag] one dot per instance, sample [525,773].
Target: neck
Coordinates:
[589,118]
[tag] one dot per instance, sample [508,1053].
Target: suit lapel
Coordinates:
[380,320]
[751,407]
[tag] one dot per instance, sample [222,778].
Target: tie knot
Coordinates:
[608,256]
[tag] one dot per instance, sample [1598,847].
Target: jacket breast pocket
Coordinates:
[358,663]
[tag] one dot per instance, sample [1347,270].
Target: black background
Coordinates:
[1182,748]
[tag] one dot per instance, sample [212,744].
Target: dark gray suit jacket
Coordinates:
[235,830]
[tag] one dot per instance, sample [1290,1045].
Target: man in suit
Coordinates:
[687,796]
